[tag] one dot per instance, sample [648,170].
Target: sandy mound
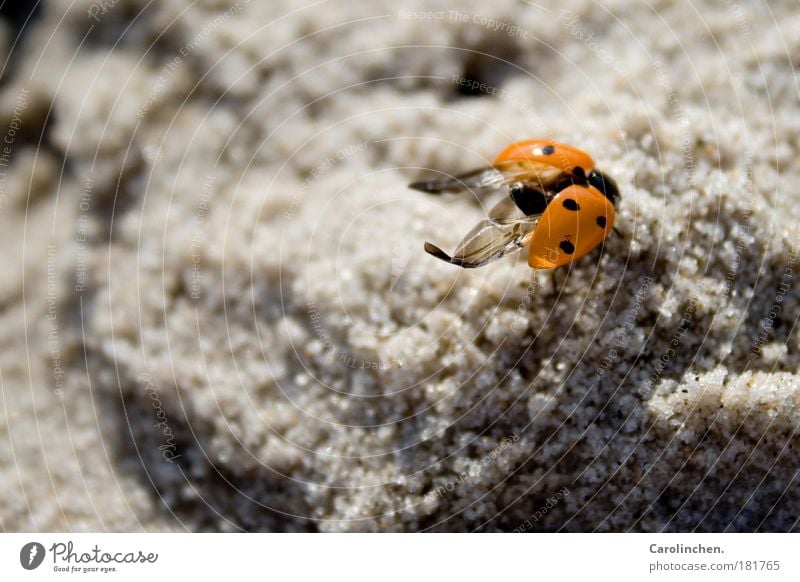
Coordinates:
[217,314]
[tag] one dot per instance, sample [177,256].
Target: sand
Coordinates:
[217,314]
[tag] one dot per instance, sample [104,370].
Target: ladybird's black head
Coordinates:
[606,185]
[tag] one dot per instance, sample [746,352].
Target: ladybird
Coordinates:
[558,205]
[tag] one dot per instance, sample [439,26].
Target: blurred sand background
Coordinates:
[217,315]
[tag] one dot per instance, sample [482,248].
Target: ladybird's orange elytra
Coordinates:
[558,205]
[576,221]
[565,158]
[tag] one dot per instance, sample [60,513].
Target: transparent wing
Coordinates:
[480,180]
[487,242]
[506,211]
[484,180]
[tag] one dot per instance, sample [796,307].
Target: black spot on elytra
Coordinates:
[567,247]
[571,204]
[548,149]
[601,221]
